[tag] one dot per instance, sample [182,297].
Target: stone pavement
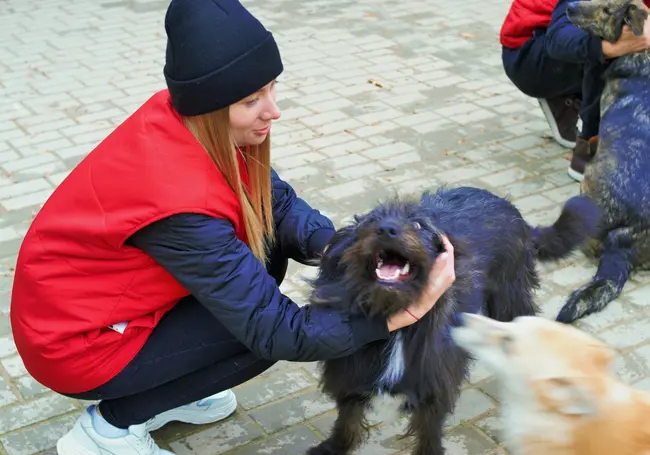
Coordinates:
[378,96]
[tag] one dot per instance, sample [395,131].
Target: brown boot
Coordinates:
[562,116]
[583,153]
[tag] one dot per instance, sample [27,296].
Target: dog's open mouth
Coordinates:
[392,267]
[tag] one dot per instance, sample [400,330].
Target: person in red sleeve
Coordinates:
[548,58]
[150,278]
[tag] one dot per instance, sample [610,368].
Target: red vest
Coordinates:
[75,277]
[524,17]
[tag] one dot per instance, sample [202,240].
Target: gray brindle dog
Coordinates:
[618,178]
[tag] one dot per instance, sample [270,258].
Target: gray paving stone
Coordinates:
[29,387]
[7,346]
[470,405]
[5,299]
[218,439]
[294,441]
[43,408]
[492,426]
[491,388]
[272,387]
[324,423]
[288,412]
[467,440]
[7,396]
[14,366]
[37,438]
[385,439]
[628,335]
[640,296]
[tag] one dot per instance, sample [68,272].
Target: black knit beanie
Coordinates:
[217,54]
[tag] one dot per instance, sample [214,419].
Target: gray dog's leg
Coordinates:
[619,254]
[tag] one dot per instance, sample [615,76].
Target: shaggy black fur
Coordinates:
[495,253]
[617,178]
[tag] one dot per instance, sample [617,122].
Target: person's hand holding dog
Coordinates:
[441,277]
[628,43]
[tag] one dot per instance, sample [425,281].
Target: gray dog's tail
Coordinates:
[577,223]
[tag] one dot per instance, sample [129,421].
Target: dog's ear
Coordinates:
[635,17]
[326,286]
[337,245]
[463,256]
[565,396]
[343,235]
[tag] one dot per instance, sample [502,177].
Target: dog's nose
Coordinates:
[389,228]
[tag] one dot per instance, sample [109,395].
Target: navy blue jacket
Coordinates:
[565,41]
[206,257]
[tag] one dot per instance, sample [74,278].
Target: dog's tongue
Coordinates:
[389,271]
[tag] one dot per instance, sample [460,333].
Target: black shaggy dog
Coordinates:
[618,177]
[380,264]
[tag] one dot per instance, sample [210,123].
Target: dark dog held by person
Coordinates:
[617,179]
[380,264]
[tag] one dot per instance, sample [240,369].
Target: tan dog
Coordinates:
[559,393]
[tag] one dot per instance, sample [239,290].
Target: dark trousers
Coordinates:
[536,74]
[189,356]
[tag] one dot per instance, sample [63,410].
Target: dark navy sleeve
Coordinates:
[565,41]
[206,257]
[301,231]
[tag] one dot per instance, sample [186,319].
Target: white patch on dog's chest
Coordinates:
[394,369]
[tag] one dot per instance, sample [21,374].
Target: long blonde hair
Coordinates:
[212,130]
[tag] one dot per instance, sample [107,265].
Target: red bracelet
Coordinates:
[414,317]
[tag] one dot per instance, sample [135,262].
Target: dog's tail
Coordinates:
[577,223]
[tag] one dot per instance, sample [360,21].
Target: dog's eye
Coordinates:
[606,10]
[416,226]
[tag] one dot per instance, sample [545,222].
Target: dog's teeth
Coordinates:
[406,269]
[379,264]
[384,276]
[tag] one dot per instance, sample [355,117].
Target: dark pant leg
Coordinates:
[189,356]
[592,89]
[536,74]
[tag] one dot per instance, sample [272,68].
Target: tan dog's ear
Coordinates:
[635,17]
[565,396]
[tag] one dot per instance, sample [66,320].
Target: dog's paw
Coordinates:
[588,299]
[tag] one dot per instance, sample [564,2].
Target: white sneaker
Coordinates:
[208,410]
[84,440]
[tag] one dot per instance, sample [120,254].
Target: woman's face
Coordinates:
[251,117]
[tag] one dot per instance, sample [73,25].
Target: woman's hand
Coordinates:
[628,43]
[441,277]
